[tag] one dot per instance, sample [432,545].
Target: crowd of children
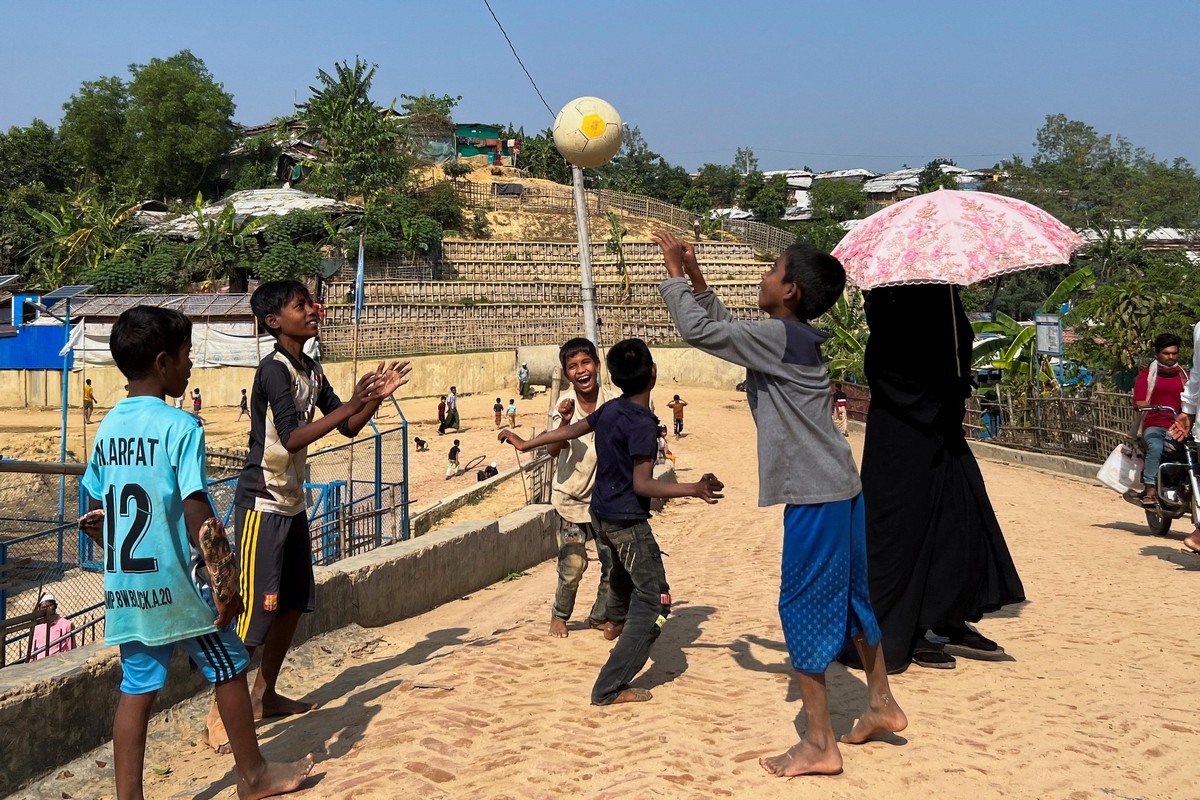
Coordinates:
[229,598]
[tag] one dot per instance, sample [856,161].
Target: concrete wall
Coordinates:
[41,704]
[431,376]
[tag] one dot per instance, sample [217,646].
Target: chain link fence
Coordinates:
[357,497]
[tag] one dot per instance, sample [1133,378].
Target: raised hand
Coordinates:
[566,410]
[708,488]
[672,248]
[391,378]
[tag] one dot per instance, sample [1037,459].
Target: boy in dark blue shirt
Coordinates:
[626,442]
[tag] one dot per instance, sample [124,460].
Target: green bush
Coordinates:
[285,260]
[442,204]
[296,226]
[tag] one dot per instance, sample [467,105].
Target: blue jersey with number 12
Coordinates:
[147,458]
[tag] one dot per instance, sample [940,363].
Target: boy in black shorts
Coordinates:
[270,515]
[639,598]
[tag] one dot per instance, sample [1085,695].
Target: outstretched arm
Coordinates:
[708,488]
[561,434]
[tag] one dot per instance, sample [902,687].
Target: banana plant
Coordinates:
[85,232]
[847,346]
[1011,348]
[223,243]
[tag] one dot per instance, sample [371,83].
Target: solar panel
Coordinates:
[64,293]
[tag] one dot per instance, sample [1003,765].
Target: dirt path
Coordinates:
[473,700]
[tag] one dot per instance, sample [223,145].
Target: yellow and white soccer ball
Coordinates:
[588,132]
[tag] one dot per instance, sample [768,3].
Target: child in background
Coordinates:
[196,404]
[664,452]
[149,500]
[89,401]
[805,465]
[840,404]
[498,409]
[243,407]
[639,598]
[676,406]
[452,460]
[512,413]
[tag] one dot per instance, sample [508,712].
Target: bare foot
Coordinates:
[887,717]
[558,628]
[1192,541]
[611,630]
[276,705]
[632,696]
[217,738]
[275,778]
[804,758]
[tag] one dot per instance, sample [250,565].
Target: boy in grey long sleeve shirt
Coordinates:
[805,465]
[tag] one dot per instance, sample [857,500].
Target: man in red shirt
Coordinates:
[1160,384]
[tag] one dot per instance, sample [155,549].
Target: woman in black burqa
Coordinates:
[935,552]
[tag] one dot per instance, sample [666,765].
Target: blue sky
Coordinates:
[827,84]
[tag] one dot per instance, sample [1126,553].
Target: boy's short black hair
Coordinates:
[573,347]
[630,365]
[1165,340]
[141,333]
[819,276]
[272,296]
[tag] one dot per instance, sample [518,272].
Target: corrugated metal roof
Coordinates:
[842,174]
[254,203]
[192,305]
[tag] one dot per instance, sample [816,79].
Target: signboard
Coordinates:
[1049,334]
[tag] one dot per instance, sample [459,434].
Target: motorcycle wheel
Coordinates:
[1158,522]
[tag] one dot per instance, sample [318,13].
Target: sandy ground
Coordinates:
[473,700]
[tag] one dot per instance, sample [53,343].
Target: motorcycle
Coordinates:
[1178,484]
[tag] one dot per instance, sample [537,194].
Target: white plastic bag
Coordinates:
[1122,470]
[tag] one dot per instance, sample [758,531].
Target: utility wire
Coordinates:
[514,52]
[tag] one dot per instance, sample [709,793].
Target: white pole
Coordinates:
[587,286]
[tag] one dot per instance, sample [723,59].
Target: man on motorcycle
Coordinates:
[1161,384]
[1182,425]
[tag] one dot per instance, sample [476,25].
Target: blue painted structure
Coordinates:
[33,346]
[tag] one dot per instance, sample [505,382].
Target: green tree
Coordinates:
[837,200]
[20,232]
[1087,179]
[541,159]
[93,130]
[637,169]
[847,347]
[362,147]
[931,177]
[744,161]
[257,163]
[178,125]
[430,112]
[721,182]
[823,234]
[769,203]
[33,154]
[697,201]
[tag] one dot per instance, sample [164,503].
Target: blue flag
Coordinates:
[358,283]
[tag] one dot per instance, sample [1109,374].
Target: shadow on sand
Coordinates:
[290,738]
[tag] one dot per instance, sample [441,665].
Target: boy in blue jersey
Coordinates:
[169,570]
[639,598]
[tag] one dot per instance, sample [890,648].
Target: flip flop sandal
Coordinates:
[933,658]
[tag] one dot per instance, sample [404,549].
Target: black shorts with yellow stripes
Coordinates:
[275,555]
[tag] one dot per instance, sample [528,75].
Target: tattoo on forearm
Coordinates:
[219,557]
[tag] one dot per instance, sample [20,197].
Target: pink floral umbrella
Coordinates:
[953,237]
